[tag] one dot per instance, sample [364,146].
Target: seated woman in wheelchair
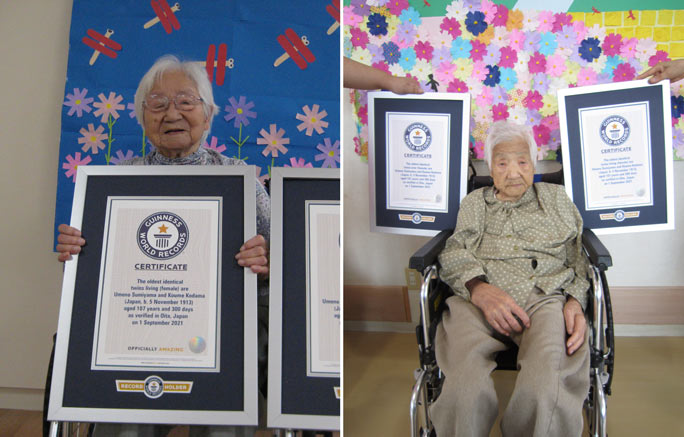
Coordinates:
[516,265]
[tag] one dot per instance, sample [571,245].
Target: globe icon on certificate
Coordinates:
[197,345]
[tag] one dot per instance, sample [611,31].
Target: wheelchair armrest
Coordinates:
[427,255]
[598,254]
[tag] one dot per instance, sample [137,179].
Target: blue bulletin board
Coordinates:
[270,116]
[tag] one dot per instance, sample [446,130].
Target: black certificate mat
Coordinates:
[658,214]
[229,392]
[295,399]
[415,220]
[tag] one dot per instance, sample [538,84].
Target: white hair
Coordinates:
[504,131]
[192,70]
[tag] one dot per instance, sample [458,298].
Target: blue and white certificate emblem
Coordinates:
[158,291]
[417,150]
[616,154]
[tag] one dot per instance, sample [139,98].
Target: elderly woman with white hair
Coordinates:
[174,104]
[516,265]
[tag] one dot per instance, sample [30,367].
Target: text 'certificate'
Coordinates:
[323,287]
[417,161]
[616,149]
[159,285]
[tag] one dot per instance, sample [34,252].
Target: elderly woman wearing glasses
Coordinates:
[516,265]
[175,105]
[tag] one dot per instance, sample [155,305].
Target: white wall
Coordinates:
[640,259]
[33,51]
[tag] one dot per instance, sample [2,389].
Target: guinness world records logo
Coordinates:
[417,137]
[162,235]
[154,387]
[614,130]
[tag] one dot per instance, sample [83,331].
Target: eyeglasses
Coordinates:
[160,103]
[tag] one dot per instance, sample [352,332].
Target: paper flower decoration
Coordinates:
[512,62]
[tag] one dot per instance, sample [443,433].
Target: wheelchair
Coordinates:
[434,293]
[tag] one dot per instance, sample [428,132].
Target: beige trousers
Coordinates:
[550,387]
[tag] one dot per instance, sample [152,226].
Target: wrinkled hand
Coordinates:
[673,70]
[575,324]
[404,85]
[69,242]
[498,307]
[254,254]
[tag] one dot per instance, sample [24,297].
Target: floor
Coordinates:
[378,378]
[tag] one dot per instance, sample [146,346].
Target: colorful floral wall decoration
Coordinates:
[269,115]
[511,61]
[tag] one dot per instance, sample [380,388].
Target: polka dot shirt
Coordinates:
[535,241]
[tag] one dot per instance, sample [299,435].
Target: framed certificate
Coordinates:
[304,322]
[617,145]
[417,160]
[157,321]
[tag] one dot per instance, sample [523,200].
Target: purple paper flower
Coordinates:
[590,49]
[532,40]
[360,7]
[131,110]
[493,55]
[567,38]
[78,102]
[376,53]
[330,155]
[441,55]
[499,93]
[377,25]
[406,32]
[493,76]
[391,52]
[533,117]
[475,22]
[240,111]
[120,157]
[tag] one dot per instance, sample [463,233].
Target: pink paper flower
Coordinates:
[533,100]
[396,6]
[350,18]
[555,65]
[359,38]
[299,163]
[485,98]
[108,106]
[451,26]
[479,149]
[516,40]
[457,86]
[580,30]
[537,63]
[628,49]
[508,57]
[91,138]
[542,134]
[561,20]
[72,164]
[424,50]
[612,44]
[274,141]
[660,56]
[363,114]
[479,71]
[311,120]
[552,122]
[262,178]
[500,112]
[478,51]
[213,145]
[623,72]
[546,20]
[382,66]
[445,72]
[586,76]
[500,16]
